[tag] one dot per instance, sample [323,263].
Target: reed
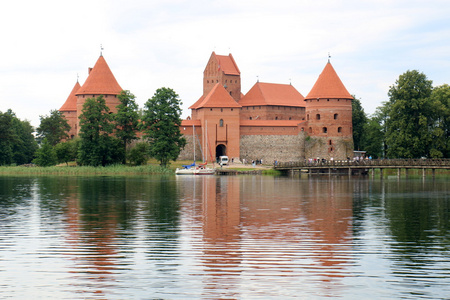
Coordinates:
[86,170]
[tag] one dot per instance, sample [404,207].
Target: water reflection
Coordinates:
[223,237]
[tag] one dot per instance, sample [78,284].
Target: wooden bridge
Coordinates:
[352,167]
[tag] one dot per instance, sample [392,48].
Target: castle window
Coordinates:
[290,118]
[318,116]
[230,93]
[276,118]
[339,129]
[324,130]
[221,110]
[307,117]
[303,128]
[231,109]
[250,118]
[221,123]
[335,116]
[310,129]
[330,142]
[210,109]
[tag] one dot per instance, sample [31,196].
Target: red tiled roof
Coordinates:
[217,97]
[227,64]
[189,123]
[329,85]
[271,123]
[71,102]
[100,81]
[273,94]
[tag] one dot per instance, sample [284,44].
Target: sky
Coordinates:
[48,45]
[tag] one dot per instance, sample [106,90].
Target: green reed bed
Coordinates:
[86,170]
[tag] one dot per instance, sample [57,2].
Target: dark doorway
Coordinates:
[221,150]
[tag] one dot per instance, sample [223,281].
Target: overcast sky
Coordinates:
[150,44]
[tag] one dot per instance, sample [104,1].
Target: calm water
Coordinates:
[246,237]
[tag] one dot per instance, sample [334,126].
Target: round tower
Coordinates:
[329,118]
[100,81]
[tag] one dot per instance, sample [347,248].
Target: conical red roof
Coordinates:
[100,81]
[71,102]
[217,97]
[329,85]
[272,94]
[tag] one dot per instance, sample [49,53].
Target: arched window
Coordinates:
[310,129]
[339,129]
[335,116]
[324,130]
[330,142]
[318,116]
[221,123]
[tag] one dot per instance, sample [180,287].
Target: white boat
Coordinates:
[195,170]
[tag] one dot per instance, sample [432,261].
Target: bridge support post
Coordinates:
[424,173]
[399,172]
[349,171]
[372,172]
[381,172]
[433,172]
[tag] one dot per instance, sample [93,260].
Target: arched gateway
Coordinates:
[221,150]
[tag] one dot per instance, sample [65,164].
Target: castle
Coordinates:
[272,122]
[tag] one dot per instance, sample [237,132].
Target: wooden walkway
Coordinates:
[363,166]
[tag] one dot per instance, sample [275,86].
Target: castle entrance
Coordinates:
[220,151]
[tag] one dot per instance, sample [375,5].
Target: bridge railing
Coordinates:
[443,162]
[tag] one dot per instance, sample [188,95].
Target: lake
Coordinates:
[229,237]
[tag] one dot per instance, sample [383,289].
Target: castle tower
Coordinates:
[224,70]
[69,110]
[218,113]
[329,117]
[100,81]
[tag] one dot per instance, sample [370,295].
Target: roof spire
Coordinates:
[101,50]
[329,56]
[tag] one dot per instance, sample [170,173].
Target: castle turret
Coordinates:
[69,110]
[329,116]
[224,70]
[100,81]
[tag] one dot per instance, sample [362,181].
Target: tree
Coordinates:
[97,146]
[67,151]
[138,155]
[7,139]
[410,117]
[359,120]
[25,144]
[45,155]
[161,125]
[126,119]
[440,99]
[17,143]
[53,127]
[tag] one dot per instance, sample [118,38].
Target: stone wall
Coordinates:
[272,147]
[337,148]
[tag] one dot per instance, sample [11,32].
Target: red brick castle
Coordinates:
[270,122]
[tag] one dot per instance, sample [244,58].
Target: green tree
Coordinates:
[410,116]
[97,146]
[25,144]
[8,138]
[45,155]
[126,120]
[359,121]
[138,155]
[440,99]
[53,127]
[67,151]
[161,125]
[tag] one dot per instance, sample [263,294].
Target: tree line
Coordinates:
[413,123]
[104,137]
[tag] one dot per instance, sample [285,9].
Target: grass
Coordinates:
[152,167]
